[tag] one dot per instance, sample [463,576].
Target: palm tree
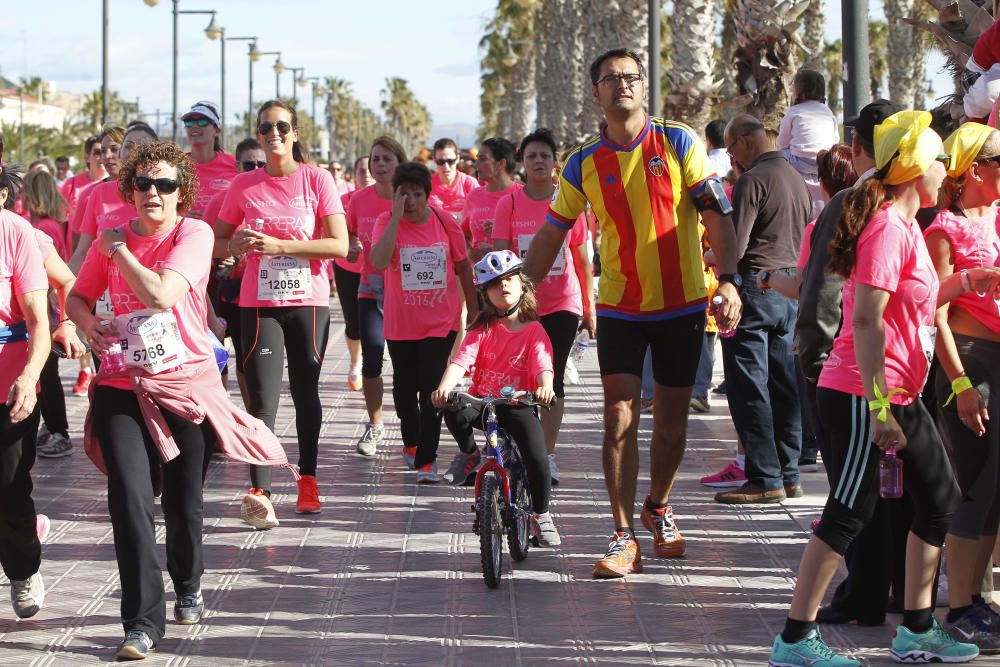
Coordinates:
[693,87]
[559,77]
[833,58]
[508,70]
[907,51]
[405,116]
[813,38]
[878,45]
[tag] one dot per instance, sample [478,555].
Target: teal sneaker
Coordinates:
[935,645]
[810,652]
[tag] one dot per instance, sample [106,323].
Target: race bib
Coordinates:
[283,278]
[151,340]
[928,336]
[424,268]
[103,308]
[558,266]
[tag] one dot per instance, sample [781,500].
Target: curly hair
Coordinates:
[528,312]
[147,156]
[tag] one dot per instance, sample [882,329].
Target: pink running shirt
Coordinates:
[291,207]
[452,199]
[105,210]
[186,249]
[480,205]
[214,178]
[55,232]
[891,256]
[364,210]
[355,266]
[517,219]
[421,288]
[805,249]
[74,188]
[505,358]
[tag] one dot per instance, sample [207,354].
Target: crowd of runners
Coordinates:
[853,288]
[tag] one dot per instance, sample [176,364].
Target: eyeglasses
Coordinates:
[164,186]
[729,148]
[284,127]
[200,122]
[250,165]
[613,80]
[995,160]
[943,157]
[450,163]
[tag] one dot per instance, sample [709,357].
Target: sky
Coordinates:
[433,44]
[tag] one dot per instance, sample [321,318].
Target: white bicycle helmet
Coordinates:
[494,265]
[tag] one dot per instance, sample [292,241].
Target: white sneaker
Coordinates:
[27,596]
[354,379]
[55,446]
[545,531]
[571,376]
[256,509]
[553,470]
[369,442]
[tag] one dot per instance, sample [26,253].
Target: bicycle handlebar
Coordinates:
[527,398]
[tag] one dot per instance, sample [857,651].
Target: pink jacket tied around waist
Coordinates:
[195,394]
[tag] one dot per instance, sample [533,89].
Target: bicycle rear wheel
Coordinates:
[519,525]
[491,529]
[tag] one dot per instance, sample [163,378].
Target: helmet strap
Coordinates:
[513,309]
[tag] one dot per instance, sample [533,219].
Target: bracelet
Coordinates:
[65,320]
[958,385]
[115,247]
[881,401]
[966,283]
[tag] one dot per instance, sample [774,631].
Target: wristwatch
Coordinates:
[734,278]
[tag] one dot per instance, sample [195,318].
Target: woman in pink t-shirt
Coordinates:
[95,173]
[422,252]
[567,293]
[216,169]
[868,395]
[288,221]
[364,209]
[496,162]
[46,208]
[506,346]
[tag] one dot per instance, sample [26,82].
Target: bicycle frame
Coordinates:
[494,455]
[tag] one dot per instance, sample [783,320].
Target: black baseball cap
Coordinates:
[871,115]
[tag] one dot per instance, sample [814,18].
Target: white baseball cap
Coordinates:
[206,109]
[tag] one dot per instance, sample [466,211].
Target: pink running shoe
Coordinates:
[730,476]
[42,527]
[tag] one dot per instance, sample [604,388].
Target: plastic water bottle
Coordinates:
[716,304]
[890,470]
[258,225]
[113,358]
[580,345]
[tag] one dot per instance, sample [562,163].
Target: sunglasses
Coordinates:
[164,186]
[450,162]
[284,127]
[200,122]
[250,165]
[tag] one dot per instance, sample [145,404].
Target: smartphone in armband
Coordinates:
[718,193]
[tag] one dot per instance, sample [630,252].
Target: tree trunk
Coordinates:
[907,57]
[521,96]
[813,36]
[692,63]
[559,61]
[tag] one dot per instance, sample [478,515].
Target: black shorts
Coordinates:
[675,345]
[561,326]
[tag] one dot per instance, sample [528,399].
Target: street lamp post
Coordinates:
[104,63]
[297,73]
[220,33]
[316,88]
[279,69]
[857,76]
[654,57]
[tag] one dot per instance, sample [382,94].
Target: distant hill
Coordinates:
[464,134]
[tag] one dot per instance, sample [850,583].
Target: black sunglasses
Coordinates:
[164,186]
[200,122]
[250,165]
[284,127]
[450,162]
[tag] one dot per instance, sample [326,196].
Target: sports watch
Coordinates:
[734,278]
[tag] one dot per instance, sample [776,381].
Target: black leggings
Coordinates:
[20,552]
[302,331]
[522,424]
[417,367]
[372,341]
[52,398]
[347,293]
[561,327]
[133,461]
[927,475]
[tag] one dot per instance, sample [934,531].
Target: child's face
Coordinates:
[505,292]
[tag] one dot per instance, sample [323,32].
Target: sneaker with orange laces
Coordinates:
[667,540]
[354,378]
[83,382]
[729,477]
[308,502]
[622,557]
[256,509]
[409,457]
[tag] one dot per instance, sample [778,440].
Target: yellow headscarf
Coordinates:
[964,145]
[909,133]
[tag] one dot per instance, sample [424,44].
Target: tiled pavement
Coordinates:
[389,573]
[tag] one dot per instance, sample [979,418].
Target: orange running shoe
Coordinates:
[354,379]
[622,558]
[667,540]
[256,509]
[308,502]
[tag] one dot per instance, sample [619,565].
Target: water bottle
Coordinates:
[716,304]
[890,471]
[258,225]
[580,345]
[113,358]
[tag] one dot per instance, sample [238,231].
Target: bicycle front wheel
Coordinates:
[519,525]
[491,529]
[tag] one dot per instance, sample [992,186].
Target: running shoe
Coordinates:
[372,438]
[553,470]
[257,510]
[934,645]
[700,404]
[721,389]
[975,627]
[27,596]
[409,456]
[42,527]
[136,646]
[667,540]
[622,558]
[544,530]
[354,379]
[308,500]
[461,467]
[189,608]
[83,382]
[55,446]
[730,476]
[808,464]
[428,474]
[42,436]
[571,375]
[809,652]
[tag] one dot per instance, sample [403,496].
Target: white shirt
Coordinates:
[807,129]
[719,159]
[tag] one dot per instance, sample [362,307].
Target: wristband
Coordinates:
[881,402]
[958,385]
[966,283]
[115,247]
[65,320]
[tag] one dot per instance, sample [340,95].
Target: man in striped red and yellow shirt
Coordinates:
[649,183]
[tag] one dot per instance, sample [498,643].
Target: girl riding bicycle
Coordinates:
[507,346]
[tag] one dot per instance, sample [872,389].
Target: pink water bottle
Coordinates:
[113,358]
[716,304]
[890,470]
